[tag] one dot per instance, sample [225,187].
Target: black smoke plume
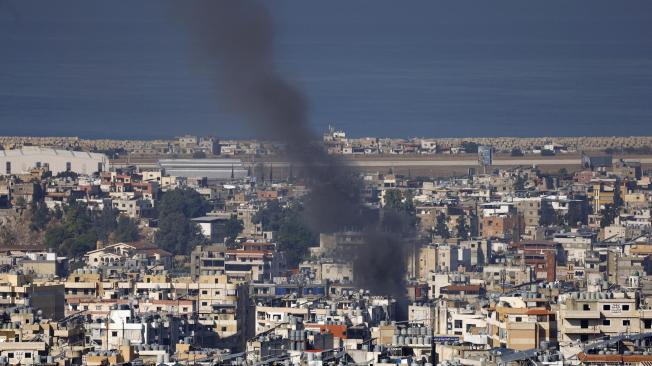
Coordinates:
[235,41]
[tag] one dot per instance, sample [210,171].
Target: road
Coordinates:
[425,163]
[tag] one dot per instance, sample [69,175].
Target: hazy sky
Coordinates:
[385,68]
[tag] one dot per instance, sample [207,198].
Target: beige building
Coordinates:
[521,323]
[588,316]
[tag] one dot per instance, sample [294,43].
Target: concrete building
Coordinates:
[220,169]
[22,161]
[207,259]
[212,227]
[521,323]
[588,316]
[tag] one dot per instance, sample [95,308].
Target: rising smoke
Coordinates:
[235,41]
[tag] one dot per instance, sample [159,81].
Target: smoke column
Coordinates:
[235,43]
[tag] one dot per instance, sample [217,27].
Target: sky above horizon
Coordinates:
[372,68]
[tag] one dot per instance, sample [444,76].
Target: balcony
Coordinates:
[578,330]
[581,314]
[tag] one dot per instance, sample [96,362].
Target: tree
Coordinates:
[126,230]
[470,147]
[54,236]
[75,234]
[177,234]
[441,228]
[462,228]
[69,174]
[270,216]
[294,237]
[516,152]
[393,199]
[232,228]
[519,183]
[399,210]
[21,202]
[105,223]
[547,153]
[39,216]
[184,200]
[57,213]
[609,214]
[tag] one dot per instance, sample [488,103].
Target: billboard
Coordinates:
[485,155]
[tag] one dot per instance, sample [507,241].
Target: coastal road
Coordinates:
[421,162]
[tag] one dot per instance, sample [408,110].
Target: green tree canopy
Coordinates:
[462,228]
[516,152]
[232,229]
[75,234]
[187,201]
[294,237]
[126,230]
[400,206]
[270,216]
[199,155]
[39,216]
[105,223]
[441,228]
[177,233]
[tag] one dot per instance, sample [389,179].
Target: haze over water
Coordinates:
[372,68]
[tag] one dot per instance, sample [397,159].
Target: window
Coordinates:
[606,307]
[584,323]
[586,307]
[606,322]
[8,169]
[114,334]
[519,319]
[647,323]
[458,324]
[626,307]
[10,355]
[68,166]
[28,354]
[99,167]
[204,292]
[626,323]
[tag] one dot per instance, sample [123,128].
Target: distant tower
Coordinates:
[271,169]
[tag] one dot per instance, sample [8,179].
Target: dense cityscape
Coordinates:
[291,183]
[206,259]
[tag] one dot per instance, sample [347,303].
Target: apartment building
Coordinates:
[588,316]
[521,323]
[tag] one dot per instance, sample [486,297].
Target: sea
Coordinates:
[99,69]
